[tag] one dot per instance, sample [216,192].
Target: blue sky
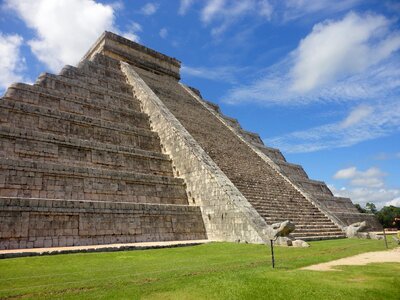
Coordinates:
[319,79]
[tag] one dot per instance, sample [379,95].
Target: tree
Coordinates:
[387,216]
[360,209]
[371,208]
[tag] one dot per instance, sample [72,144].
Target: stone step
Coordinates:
[284,215]
[288,210]
[105,61]
[67,85]
[291,170]
[331,225]
[256,187]
[313,186]
[267,205]
[26,133]
[32,179]
[41,222]
[317,230]
[64,86]
[300,222]
[256,192]
[251,137]
[21,144]
[272,153]
[76,106]
[23,115]
[283,205]
[290,214]
[300,235]
[303,220]
[36,94]
[89,71]
[72,77]
[320,238]
[314,223]
[336,204]
[292,211]
[94,67]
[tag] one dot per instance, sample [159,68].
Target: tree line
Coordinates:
[388,216]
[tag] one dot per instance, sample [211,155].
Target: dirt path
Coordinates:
[358,260]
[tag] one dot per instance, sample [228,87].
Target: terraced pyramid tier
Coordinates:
[80,165]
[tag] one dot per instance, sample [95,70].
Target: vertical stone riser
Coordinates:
[293,170]
[36,224]
[77,156]
[131,119]
[71,86]
[52,124]
[34,184]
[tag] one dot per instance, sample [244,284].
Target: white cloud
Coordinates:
[11,63]
[136,27]
[149,9]
[382,156]
[352,59]
[394,202]
[386,156]
[288,10]
[346,173]
[131,36]
[65,29]
[357,115]
[224,13]
[283,11]
[335,49]
[265,9]
[366,186]
[212,8]
[296,9]
[132,32]
[226,73]
[163,33]
[371,178]
[361,195]
[384,121]
[184,6]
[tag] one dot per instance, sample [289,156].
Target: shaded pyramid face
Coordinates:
[109,152]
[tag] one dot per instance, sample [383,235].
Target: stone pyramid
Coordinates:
[117,150]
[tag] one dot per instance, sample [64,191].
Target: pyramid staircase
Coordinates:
[274,198]
[339,209]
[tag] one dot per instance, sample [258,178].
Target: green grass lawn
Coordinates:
[212,271]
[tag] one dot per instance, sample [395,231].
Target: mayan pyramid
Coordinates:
[117,150]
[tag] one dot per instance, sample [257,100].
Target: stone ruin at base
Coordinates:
[117,150]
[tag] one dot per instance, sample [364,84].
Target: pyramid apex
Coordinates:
[121,48]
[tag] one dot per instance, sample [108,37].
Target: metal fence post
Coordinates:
[384,237]
[272,253]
